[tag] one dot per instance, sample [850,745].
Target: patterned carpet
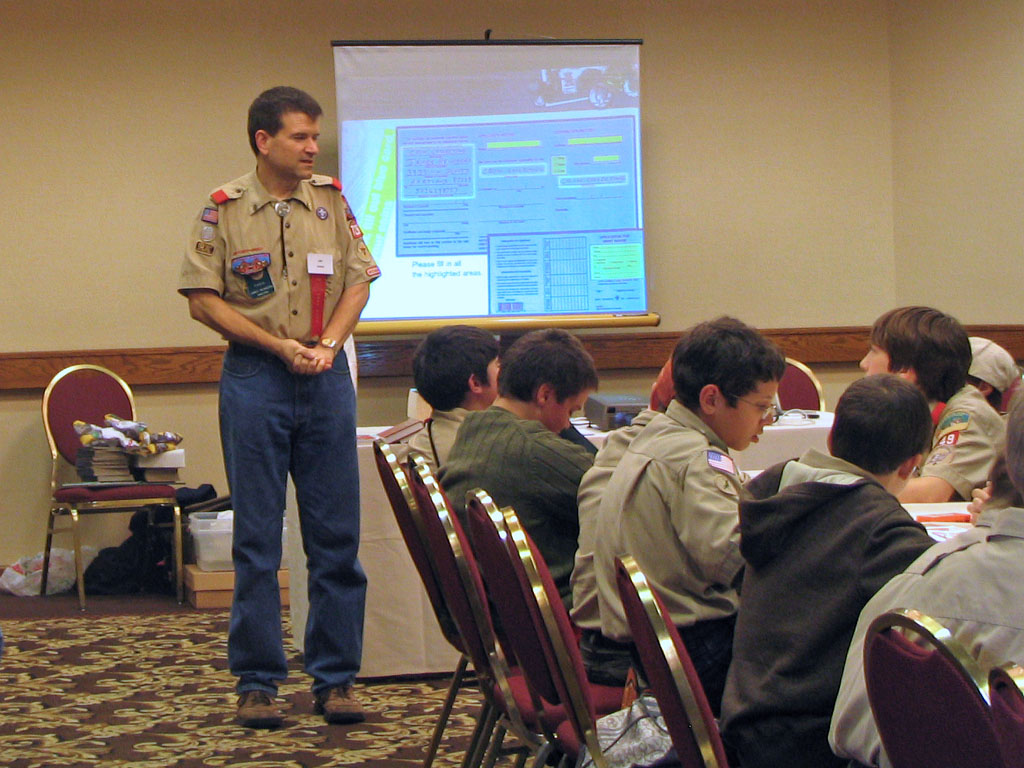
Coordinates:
[155,691]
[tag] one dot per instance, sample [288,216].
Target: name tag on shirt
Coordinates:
[320,264]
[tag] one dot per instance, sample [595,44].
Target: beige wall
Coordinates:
[958,104]
[791,146]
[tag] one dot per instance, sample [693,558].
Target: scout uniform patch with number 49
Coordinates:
[947,436]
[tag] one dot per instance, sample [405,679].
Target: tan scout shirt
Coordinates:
[237,230]
[438,436]
[585,610]
[967,440]
[673,503]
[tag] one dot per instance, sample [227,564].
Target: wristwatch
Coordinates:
[329,343]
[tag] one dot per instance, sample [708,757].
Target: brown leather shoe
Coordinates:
[256,709]
[339,705]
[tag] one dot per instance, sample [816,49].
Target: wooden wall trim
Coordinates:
[392,357]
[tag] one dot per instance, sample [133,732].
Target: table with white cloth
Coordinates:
[788,438]
[942,520]
[400,635]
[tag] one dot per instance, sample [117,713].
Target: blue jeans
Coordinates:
[274,422]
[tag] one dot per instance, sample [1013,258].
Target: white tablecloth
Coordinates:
[786,439]
[400,636]
[930,516]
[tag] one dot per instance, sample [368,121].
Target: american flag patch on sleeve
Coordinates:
[721,462]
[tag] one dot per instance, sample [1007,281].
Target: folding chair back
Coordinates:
[396,487]
[410,523]
[928,696]
[555,632]
[669,671]
[800,388]
[463,591]
[1006,689]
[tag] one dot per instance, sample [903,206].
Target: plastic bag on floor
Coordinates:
[25,576]
[635,737]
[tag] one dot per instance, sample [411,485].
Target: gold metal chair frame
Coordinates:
[458,677]
[915,624]
[491,729]
[658,622]
[576,698]
[497,517]
[1013,673]
[814,380]
[74,509]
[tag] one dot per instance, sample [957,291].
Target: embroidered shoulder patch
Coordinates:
[941,455]
[722,462]
[222,194]
[956,420]
[320,180]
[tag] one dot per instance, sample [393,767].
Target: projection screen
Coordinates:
[496,179]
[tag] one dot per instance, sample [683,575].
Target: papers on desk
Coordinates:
[942,521]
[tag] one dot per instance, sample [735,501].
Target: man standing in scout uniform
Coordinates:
[276,264]
[930,349]
[672,501]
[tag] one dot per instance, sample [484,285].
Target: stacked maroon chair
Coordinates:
[458,577]
[410,523]
[928,696]
[561,681]
[669,671]
[1005,686]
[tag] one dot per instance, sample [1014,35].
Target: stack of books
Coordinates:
[160,467]
[103,464]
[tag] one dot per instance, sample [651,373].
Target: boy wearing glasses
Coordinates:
[820,536]
[671,501]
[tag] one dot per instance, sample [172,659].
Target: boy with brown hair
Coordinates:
[931,349]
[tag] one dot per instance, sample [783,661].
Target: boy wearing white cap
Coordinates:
[993,371]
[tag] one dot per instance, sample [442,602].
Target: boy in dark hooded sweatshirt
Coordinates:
[821,535]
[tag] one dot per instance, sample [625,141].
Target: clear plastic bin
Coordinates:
[211,533]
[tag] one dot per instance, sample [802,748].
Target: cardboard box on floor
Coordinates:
[213,589]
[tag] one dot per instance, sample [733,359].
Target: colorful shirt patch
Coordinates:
[208,233]
[940,455]
[250,264]
[950,438]
[355,230]
[202,247]
[210,215]
[373,271]
[957,420]
[721,462]
[321,213]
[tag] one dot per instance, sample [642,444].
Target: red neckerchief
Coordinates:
[937,413]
